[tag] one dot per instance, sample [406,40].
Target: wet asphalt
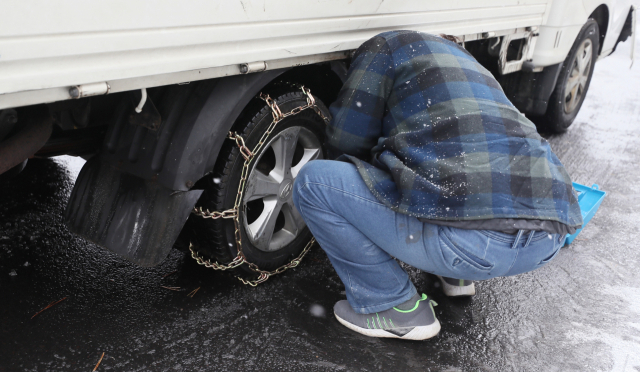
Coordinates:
[579,313]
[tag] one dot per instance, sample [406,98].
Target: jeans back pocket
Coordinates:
[548,259]
[455,254]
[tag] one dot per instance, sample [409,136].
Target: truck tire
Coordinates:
[573,81]
[273,232]
[13,172]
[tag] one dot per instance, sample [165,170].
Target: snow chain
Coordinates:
[234,213]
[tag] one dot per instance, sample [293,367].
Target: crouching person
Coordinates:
[436,168]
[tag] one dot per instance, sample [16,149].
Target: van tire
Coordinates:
[565,102]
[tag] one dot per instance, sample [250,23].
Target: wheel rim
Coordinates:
[576,84]
[270,220]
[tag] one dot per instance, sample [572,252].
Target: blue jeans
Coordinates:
[361,236]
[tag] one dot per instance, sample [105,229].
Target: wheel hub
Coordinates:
[285,189]
[270,219]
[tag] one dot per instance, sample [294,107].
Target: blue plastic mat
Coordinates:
[589,199]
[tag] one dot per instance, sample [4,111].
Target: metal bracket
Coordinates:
[526,53]
[88,90]
[246,68]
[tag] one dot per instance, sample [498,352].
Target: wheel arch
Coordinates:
[601,15]
[230,97]
[197,148]
[323,80]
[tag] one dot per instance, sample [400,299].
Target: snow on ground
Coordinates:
[73,163]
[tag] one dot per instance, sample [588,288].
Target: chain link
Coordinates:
[229,213]
[234,213]
[244,150]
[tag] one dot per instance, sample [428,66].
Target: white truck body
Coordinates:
[47,46]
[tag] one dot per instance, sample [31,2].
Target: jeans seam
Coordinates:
[496,237]
[382,304]
[484,255]
[502,239]
[513,262]
[398,279]
[350,283]
[342,191]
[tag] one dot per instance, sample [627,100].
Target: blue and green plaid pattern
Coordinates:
[434,136]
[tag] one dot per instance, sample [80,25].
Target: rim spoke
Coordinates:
[284,148]
[583,82]
[575,69]
[574,96]
[572,82]
[293,221]
[262,228]
[585,59]
[580,60]
[260,186]
[309,154]
[587,67]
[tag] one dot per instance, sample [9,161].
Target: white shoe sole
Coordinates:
[417,333]
[455,291]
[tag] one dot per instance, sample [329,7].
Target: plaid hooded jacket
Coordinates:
[433,136]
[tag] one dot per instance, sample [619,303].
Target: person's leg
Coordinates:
[382,300]
[360,235]
[331,195]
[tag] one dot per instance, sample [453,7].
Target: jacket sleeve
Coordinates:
[357,114]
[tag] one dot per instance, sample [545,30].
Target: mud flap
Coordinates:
[135,218]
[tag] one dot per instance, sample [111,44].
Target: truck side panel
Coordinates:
[53,44]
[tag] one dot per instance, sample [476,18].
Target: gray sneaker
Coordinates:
[457,287]
[419,323]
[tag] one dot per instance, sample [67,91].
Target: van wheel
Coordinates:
[573,81]
[272,231]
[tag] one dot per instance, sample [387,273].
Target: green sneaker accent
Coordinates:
[391,322]
[386,326]
[461,284]
[433,303]
[379,323]
[373,321]
[424,297]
